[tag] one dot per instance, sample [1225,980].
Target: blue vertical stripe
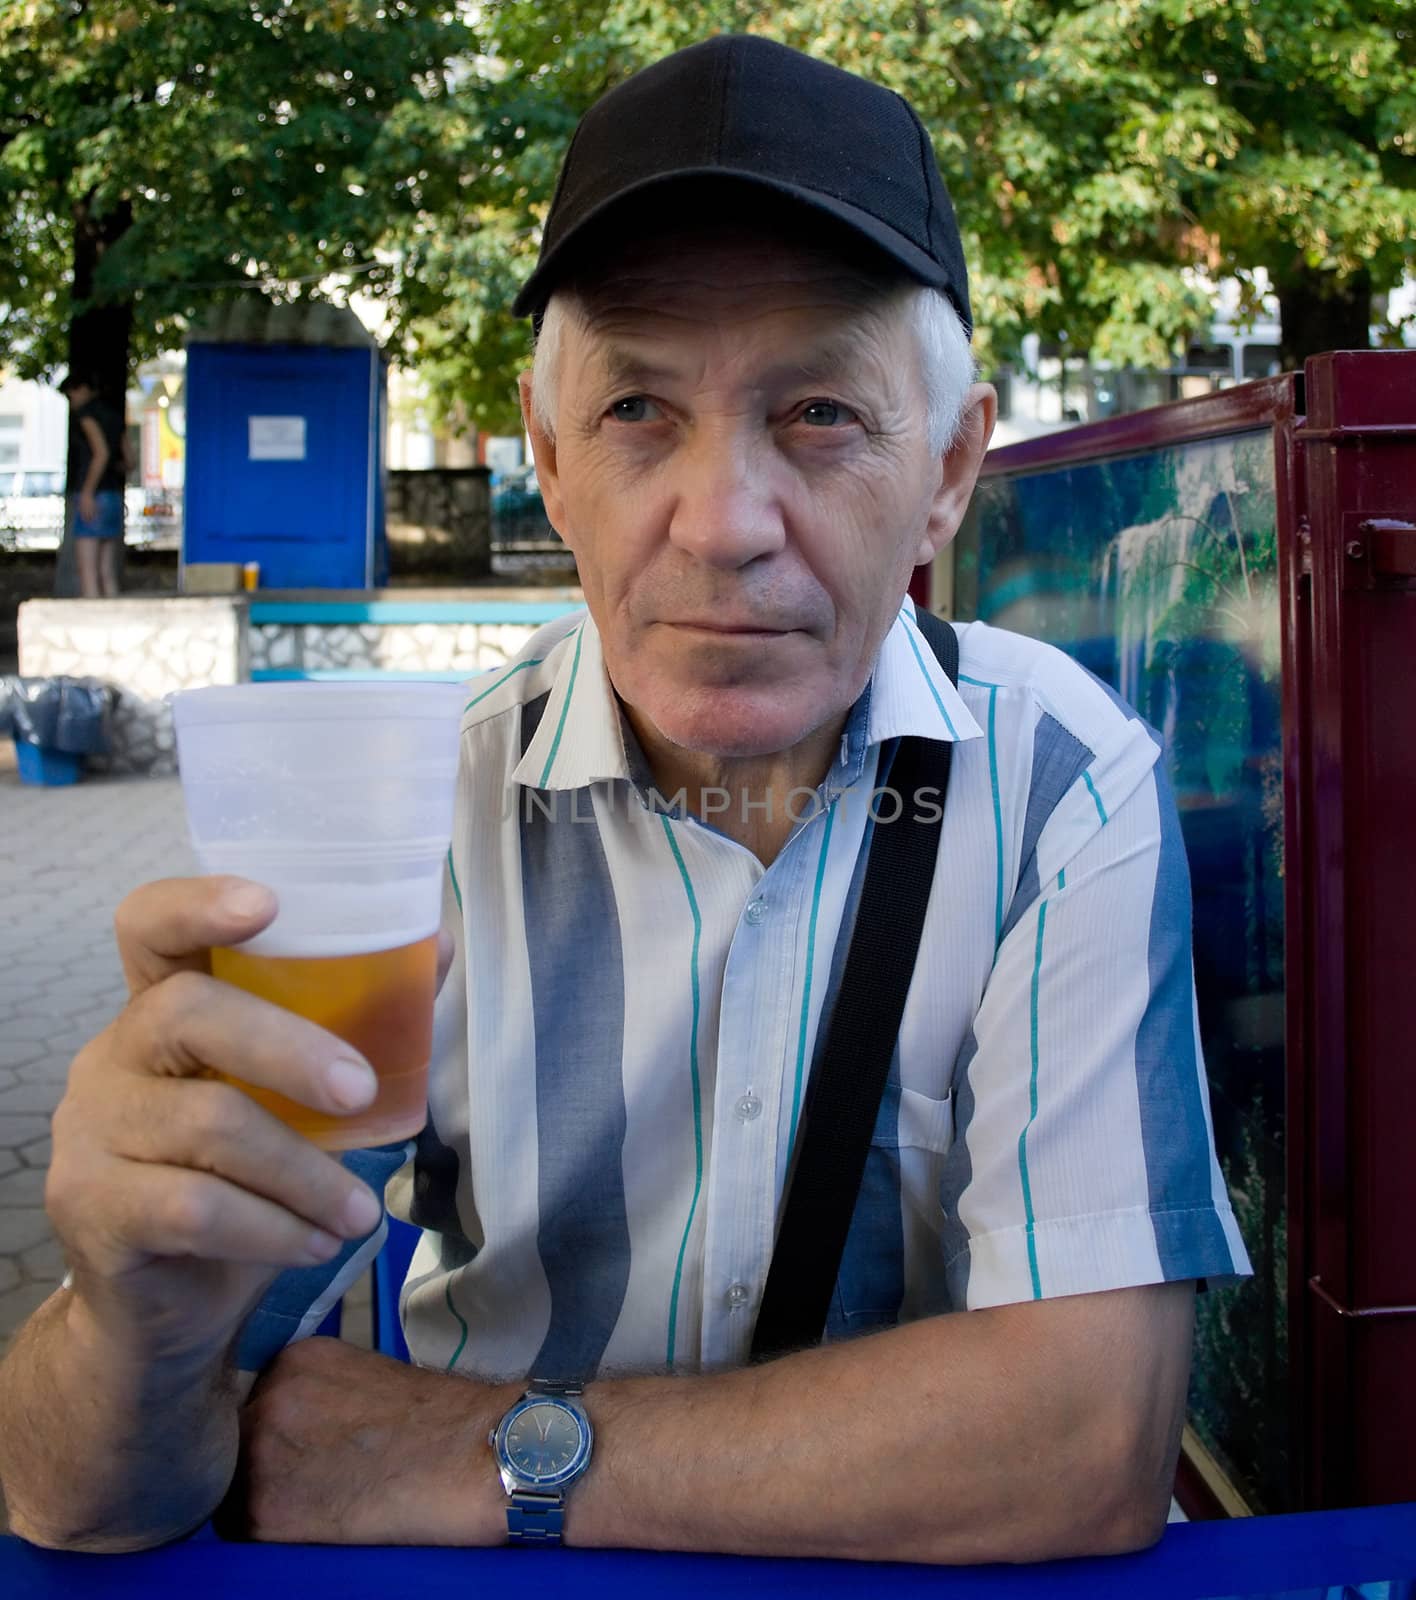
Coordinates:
[1032,1111]
[1168,1072]
[955,1177]
[576,962]
[693,1073]
[1058,759]
[456,887]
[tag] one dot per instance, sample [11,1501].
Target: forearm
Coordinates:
[937,1442]
[102,1452]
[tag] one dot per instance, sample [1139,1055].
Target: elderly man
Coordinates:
[753,416]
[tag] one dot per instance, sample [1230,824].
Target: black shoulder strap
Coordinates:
[843,1098]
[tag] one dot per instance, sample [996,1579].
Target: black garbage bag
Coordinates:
[67,714]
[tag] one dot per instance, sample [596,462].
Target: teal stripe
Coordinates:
[978,683]
[1032,1112]
[462,1342]
[565,708]
[1100,809]
[806,983]
[326,611]
[997,813]
[520,666]
[457,892]
[1062,879]
[693,1072]
[948,720]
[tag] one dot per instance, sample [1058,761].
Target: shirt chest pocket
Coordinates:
[898,1203]
[923,1123]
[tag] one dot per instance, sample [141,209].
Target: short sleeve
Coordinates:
[1083,1156]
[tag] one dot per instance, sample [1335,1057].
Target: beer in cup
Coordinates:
[338,798]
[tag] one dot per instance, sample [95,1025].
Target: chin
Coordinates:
[735,724]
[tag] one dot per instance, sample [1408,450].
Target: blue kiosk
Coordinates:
[285,425]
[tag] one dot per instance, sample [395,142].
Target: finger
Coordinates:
[173,1211]
[191,1025]
[446,951]
[169,926]
[215,1128]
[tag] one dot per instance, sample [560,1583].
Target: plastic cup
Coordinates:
[338,797]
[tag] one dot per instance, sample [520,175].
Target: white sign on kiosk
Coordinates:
[276,438]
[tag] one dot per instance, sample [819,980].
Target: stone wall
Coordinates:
[146,649]
[386,646]
[441,516]
[150,648]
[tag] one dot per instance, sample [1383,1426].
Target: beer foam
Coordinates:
[347,918]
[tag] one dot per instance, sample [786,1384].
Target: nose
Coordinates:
[726,507]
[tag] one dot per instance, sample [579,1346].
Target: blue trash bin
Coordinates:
[55,723]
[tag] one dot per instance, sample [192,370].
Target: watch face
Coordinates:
[544,1441]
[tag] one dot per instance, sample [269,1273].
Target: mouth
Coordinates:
[733,630]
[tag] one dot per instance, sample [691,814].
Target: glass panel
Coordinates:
[1261,360]
[1159,573]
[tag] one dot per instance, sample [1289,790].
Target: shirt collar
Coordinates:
[580,738]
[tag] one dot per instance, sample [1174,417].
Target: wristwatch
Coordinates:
[542,1445]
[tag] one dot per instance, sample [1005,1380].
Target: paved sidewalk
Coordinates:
[67,857]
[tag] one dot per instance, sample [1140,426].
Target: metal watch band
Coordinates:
[554,1387]
[535,1518]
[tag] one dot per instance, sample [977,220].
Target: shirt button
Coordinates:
[738,1296]
[748,1108]
[756,911]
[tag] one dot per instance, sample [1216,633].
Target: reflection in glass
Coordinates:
[1159,573]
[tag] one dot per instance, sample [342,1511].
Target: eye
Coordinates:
[826,414]
[634,408]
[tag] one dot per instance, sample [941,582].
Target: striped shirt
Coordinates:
[623,1045]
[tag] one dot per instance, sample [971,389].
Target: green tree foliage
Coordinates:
[1095,149]
[155,156]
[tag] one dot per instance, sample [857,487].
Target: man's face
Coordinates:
[742,470]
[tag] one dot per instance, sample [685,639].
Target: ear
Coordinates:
[958,470]
[543,451]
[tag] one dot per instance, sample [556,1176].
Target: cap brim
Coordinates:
[904,252]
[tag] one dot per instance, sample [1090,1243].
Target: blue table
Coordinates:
[1256,1556]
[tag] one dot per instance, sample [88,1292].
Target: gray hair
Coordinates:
[945,359]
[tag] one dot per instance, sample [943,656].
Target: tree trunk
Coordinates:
[1318,312]
[98,348]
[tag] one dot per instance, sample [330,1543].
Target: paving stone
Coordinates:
[44,1263]
[22,1229]
[16,1131]
[36,1154]
[17,1052]
[8,1079]
[34,1026]
[9,1274]
[39,1098]
[23,1187]
[53,1069]
[9,1162]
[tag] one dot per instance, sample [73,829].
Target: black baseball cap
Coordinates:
[746,109]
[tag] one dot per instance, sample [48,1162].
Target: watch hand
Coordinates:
[545,1428]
